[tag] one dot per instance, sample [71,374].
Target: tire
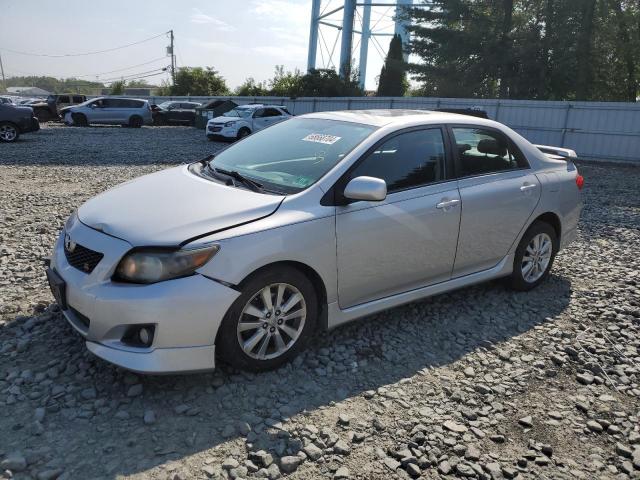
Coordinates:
[294,332]
[80,119]
[243,132]
[135,121]
[527,275]
[9,132]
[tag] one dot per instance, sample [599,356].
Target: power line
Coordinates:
[118,70]
[85,53]
[135,75]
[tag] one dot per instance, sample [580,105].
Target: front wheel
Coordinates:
[243,132]
[270,322]
[534,257]
[79,120]
[9,132]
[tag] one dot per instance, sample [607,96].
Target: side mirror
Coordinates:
[370,189]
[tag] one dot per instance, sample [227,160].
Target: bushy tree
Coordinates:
[199,81]
[393,79]
[286,83]
[56,85]
[539,49]
[327,83]
[117,88]
[251,88]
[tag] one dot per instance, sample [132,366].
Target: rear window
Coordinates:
[64,99]
[77,99]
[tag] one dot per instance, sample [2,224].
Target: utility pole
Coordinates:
[4,82]
[173,59]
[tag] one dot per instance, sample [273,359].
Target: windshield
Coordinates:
[239,112]
[292,155]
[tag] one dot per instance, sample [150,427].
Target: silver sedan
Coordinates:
[304,226]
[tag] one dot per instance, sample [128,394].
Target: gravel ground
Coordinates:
[479,383]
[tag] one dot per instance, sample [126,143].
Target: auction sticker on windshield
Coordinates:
[321,138]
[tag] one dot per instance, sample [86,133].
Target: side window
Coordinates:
[407,160]
[132,103]
[108,102]
[482,151]
[77,99]
[259,113]
[64,99]
[272,112]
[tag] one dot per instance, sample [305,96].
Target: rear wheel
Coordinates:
[534,256]
[9,132]
[79,119]
[135,122]
[270,322]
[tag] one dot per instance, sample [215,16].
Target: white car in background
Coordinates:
[244,120]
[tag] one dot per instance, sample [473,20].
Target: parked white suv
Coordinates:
[244,120]
[128,112]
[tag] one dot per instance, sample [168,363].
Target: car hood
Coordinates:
[170,207]
[223,119]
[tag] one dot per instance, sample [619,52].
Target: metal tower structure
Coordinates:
[350,10]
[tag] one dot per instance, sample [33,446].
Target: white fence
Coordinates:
[595,130]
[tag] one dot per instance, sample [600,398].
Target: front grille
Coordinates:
[215,128]
[82,258]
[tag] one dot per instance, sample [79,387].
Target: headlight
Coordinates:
[230,124]
[155,266]
[71,220]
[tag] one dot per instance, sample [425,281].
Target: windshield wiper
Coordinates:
[234,174]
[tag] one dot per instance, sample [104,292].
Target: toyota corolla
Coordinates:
[305,226]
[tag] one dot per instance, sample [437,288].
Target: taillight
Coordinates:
[579,181]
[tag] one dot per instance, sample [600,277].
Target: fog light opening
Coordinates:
[139,336]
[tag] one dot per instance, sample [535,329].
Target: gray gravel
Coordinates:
[478,383]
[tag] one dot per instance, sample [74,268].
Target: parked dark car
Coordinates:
[15,121]
[50,109]
[171,113]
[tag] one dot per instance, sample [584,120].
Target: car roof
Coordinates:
[255,106]
[400,117]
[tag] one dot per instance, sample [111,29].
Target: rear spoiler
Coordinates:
[557,153]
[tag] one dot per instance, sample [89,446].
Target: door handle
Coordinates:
[527,186]
[444,204]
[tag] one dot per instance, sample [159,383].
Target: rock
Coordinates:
[623,450]
[39,415]
[273,472]
[391,464]
[230,463]
[634,438]
[413,470]
[312,451]
[526,422]
[444,468]
[289,464]
[341,473]
[472,453]
[594,426]
[344,419]
[149,417]
[341,448]
[262,458]
[585,378]
[454,427]
[469,372]
[88,393]
[49,474]
[135,390]
[635,458]
[15,462]
[498,438]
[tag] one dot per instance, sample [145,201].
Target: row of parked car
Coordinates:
[231,121]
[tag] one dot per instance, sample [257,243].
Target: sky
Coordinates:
[239,38]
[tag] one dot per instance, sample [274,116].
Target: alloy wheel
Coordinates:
[271,321]
[8,133]
[536,258]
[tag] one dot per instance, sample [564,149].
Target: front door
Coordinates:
[499,193]
[408,240]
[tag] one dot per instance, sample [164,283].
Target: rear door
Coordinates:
[266,117]
[499,192]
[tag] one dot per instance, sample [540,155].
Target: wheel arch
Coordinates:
[551,219]
[307,271]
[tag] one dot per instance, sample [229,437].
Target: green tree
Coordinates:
[286,83]
[117,88]
[327,83]
[199,81]
[251,88]
[393,79]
